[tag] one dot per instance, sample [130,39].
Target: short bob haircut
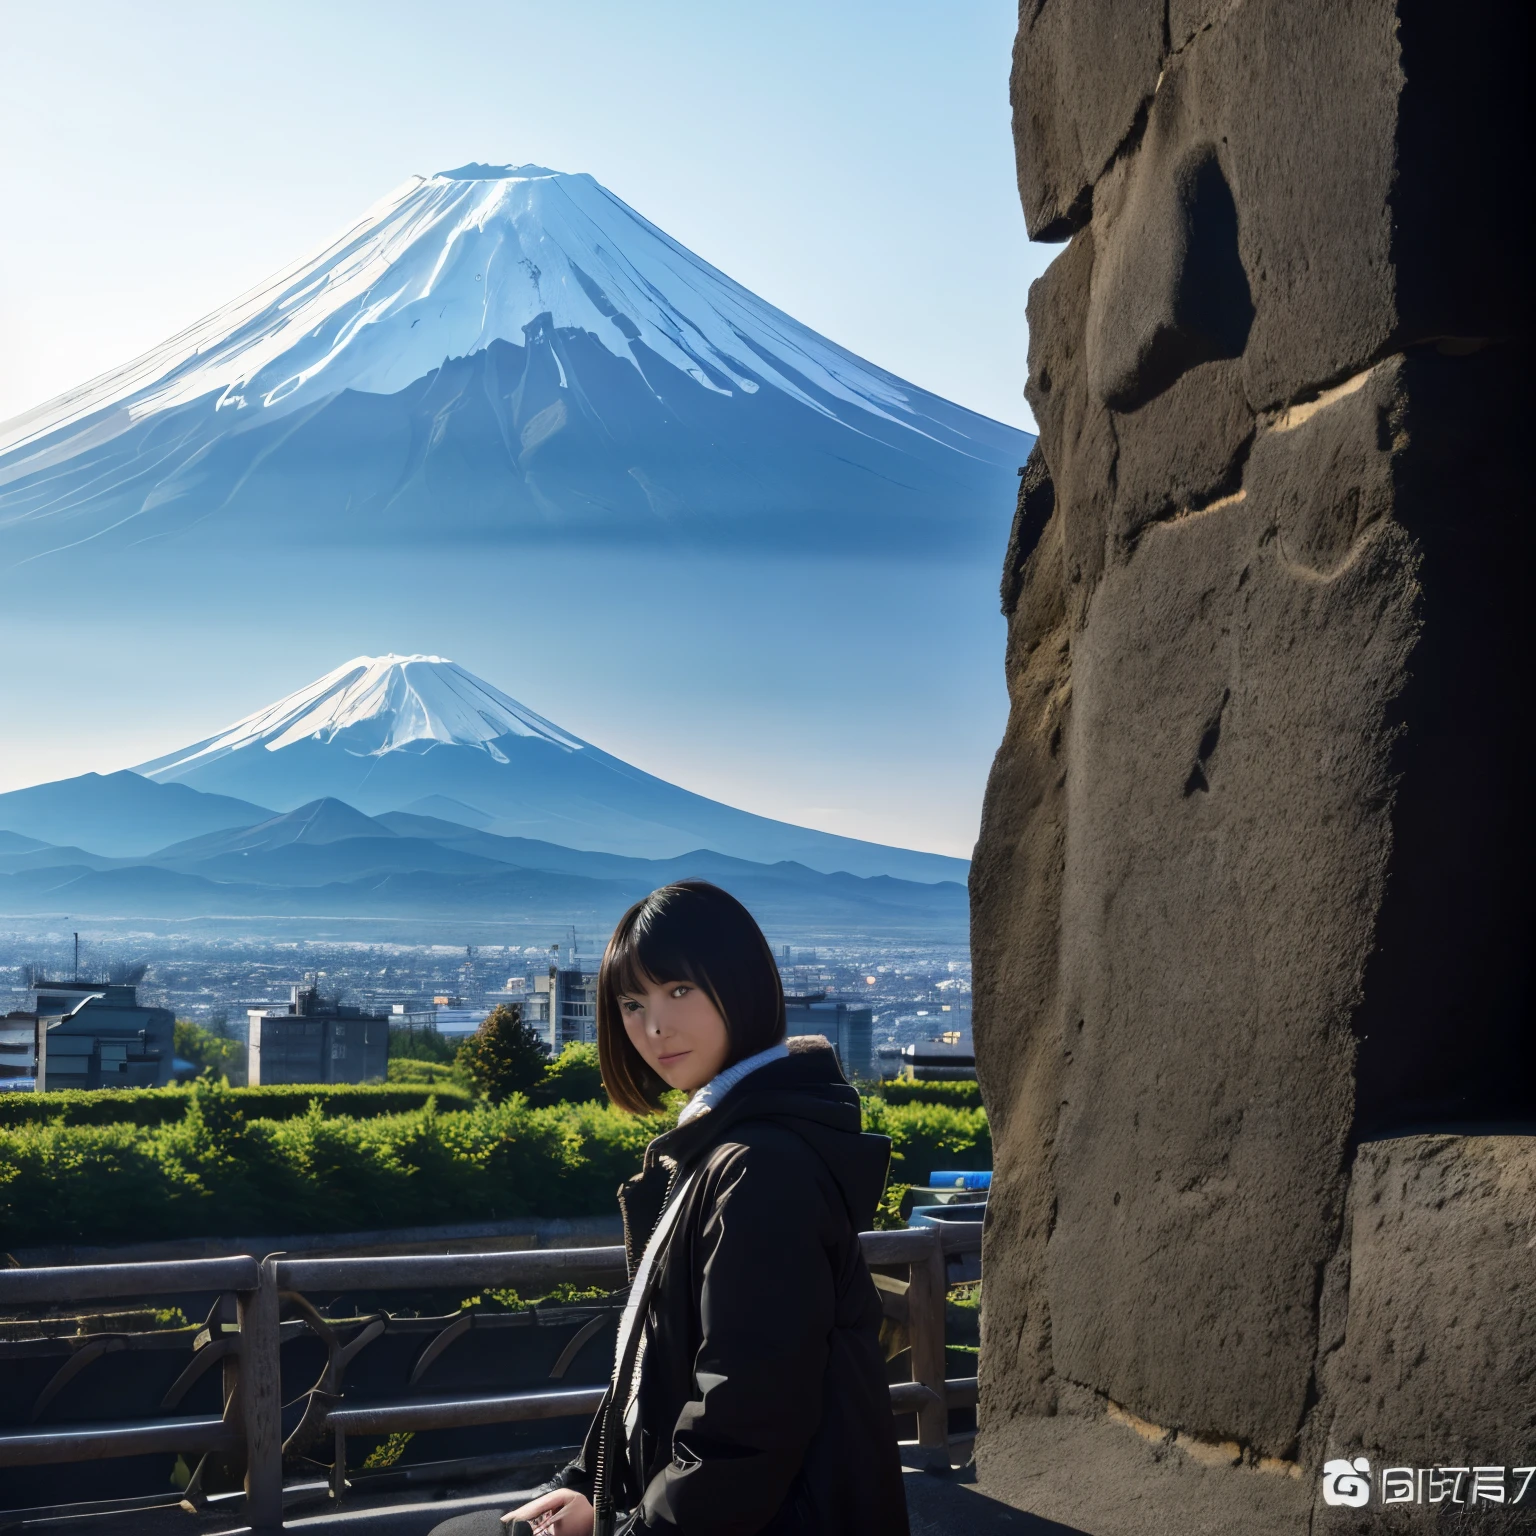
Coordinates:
[689,931]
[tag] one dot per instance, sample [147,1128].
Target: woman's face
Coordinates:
[678,1031]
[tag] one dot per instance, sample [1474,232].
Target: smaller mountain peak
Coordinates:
[326,820]
[475,171]
[377,704]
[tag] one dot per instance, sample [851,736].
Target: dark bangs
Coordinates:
[690,931]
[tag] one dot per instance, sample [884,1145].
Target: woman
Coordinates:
[750,1393]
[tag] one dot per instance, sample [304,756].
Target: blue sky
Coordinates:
[851,163]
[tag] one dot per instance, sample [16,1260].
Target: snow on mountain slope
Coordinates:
[495,354]
[375,704]
[445,265]
[384,733]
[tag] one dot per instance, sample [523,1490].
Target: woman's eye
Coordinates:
[681,991]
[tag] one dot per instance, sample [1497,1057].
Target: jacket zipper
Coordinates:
[604,1519]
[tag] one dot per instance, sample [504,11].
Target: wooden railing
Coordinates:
[251,1421]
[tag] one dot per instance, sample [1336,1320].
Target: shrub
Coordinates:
[888,1215]
[929,1136]
[961,1094]
[573,1077]
[426,1043]
[246,1161]
[161,1106]
[214,1171]
[503,1056]
[405,1069]
[210,1051]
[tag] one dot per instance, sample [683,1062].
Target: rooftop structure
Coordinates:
[937,1061]
[21,1045]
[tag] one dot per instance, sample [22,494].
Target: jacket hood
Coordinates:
[808,1093]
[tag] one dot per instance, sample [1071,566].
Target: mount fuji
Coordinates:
[423,736]
[502,356]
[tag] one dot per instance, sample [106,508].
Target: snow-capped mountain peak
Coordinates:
[376,704]
[447,264]
[477,171]
[498,357]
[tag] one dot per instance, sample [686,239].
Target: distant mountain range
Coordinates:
[118,813]
[405,787]
[326,859]
[421,734]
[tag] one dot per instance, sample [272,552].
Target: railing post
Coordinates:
[926,1296]
[261,1400]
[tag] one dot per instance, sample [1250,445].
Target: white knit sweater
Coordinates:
[722,1082]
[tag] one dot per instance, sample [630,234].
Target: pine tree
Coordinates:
[503,1056]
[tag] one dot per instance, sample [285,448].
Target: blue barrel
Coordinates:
[954,1180]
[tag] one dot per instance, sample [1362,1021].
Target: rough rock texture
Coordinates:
[1252,901]
[1206,997]
[1023,887]
[1082,75]
[1436,1355]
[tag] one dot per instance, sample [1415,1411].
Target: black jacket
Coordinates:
[763,1403]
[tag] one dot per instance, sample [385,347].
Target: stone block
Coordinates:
[1436,1366]
[1253,886]
[1182,450]
[1083,71]
[1077,438]
[1231,728]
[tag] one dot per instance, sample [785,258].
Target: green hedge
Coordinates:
[959,1094]
[929,1136]
[215,1171]
[414,1069]
[161,1106]
[219,1170]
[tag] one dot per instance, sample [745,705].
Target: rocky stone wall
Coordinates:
[1252,896]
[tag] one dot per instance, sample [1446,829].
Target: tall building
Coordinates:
[314,1040]
[562,1007]
[847,1026]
